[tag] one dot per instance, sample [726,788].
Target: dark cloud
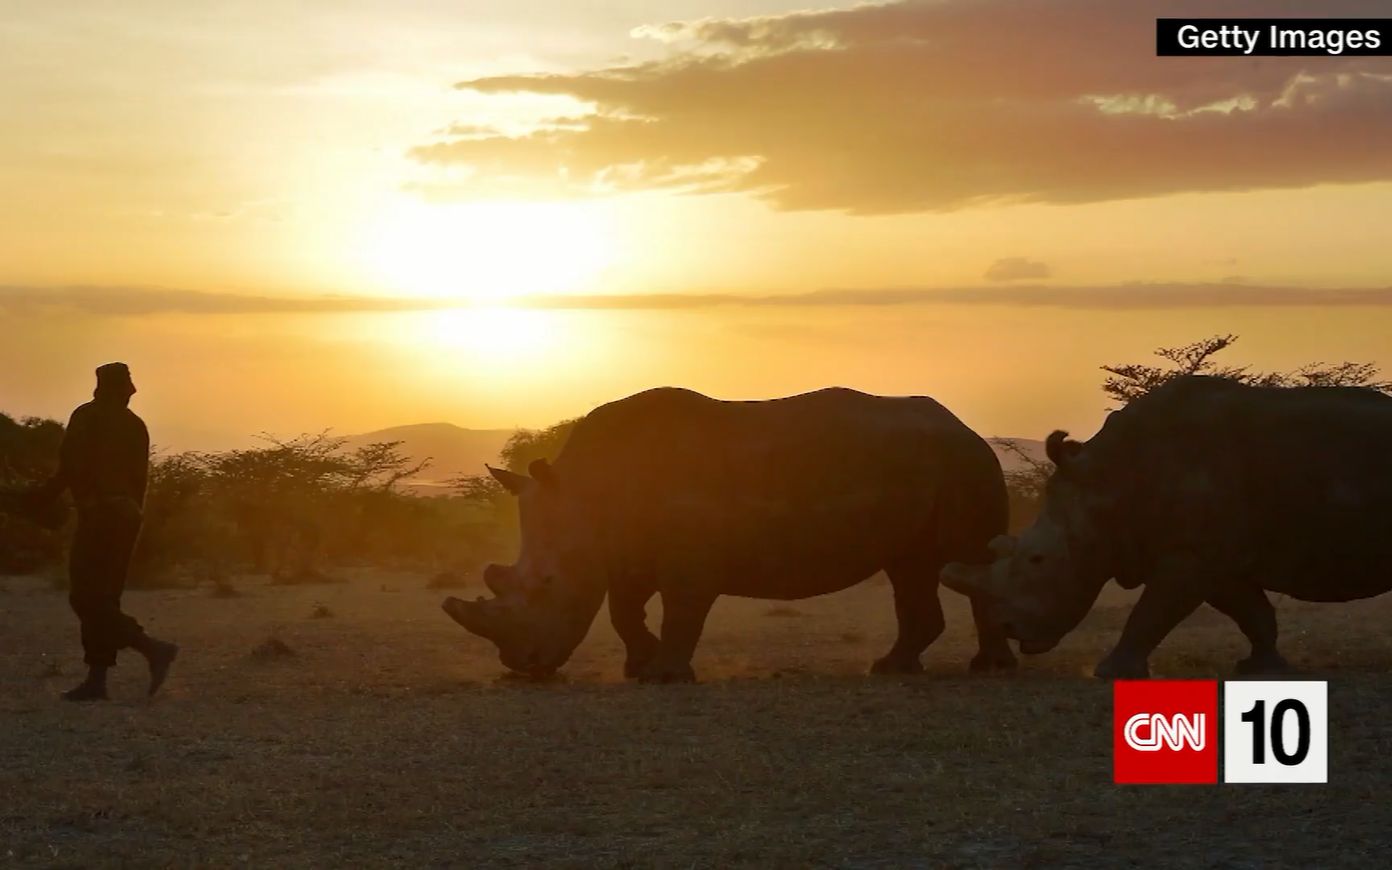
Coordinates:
[1121,296]
[121,301]
[1016,269]
[135,301]
[943,104]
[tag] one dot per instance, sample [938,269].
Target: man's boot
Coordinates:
[160,655]
[91,689]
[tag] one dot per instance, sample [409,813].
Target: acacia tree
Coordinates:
[1127,382]
[382,465]
[524,447]
[28,448]
[496,529]
[28,454]
[1024,484]
[1130,381]
[281,507]
[180,525]
[528,445]
[284,505]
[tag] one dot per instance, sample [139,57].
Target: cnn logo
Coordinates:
[1165,731]
[1151,732]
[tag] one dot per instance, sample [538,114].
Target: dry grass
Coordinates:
[388,738]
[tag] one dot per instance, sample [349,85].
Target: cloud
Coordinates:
[1016,269]
[135,302]
[1139,295]
[932,105]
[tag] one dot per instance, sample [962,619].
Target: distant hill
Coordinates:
[1010,461]
[453,450]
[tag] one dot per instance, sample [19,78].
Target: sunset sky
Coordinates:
[362,213]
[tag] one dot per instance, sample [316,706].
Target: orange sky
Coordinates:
[1000,196]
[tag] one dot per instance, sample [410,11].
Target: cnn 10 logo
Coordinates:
[1166,731]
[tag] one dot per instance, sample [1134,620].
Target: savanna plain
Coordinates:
[352,723]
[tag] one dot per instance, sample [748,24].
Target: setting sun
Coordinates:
[487,251]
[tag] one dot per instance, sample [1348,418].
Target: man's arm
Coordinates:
[142,470]
[74,438]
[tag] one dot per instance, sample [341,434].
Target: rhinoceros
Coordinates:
[1203,490]
[670,492]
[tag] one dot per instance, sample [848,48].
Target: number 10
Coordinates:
[1257,716]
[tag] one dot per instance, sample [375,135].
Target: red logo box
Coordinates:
[1165,731]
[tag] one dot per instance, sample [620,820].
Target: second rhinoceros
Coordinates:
[1203,490]
[670,492]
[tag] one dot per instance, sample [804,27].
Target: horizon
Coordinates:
[401,214]
[222,441]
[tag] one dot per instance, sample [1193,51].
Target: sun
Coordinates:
[491,333]
[488,251]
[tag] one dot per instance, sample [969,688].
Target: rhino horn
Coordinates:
[477,616]
[1002,546]
[963,578]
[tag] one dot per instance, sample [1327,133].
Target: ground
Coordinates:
[385,736]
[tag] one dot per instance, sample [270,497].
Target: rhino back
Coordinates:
[786,497]
[1291,487]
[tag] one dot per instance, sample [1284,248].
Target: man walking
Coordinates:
[104,461]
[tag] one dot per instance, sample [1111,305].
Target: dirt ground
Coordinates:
[385,736]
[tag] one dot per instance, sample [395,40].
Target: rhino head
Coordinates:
[543,604]
[1045,581]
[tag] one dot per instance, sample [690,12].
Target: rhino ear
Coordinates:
[512,481]
[1062,450]
[542,472]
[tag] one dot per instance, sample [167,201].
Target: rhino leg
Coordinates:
[993,649]
[1249,607]
[920,616]
[683,618]
[627,611]
[1161,607]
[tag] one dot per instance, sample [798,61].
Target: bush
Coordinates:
[286,508]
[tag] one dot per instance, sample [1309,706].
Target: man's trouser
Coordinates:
[100,559]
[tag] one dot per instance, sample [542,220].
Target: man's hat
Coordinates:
[116,374]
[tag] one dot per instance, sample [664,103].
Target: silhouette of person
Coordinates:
[104,460]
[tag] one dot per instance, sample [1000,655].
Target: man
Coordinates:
[104,460]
